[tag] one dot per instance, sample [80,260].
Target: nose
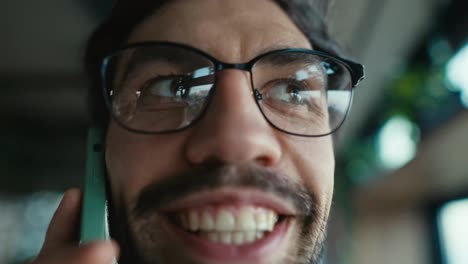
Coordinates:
[233,128]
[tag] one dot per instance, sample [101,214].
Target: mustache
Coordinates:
[212,176]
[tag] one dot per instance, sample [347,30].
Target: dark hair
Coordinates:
[310,16]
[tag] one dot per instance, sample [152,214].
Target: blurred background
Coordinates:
[402,165]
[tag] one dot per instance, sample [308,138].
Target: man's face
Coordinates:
[231,188]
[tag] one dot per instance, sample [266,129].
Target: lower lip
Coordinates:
[219,253]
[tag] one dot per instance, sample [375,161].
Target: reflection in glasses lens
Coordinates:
[302,93]
[162,88]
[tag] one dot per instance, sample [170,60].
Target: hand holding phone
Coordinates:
[93,247]
[61,243]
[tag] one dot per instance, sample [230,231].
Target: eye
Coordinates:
[288,91]
[166,87]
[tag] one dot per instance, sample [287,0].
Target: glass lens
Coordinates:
[303,93]
[157,88]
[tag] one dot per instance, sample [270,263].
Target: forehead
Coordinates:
[230,30]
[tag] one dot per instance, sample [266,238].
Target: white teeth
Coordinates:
[233,238]
[272,218]
[261,219]
[246,218]
[193,220]
[245,227]
[225,221]
[250,236]
[259,234]
[207,222]
[226,237]
[238,238]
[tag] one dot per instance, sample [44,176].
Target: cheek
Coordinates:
[133,160]
[314,161]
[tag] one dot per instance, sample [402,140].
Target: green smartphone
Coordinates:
[94,224]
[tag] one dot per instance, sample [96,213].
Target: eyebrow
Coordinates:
[179,58]
[264,50]
[286,58]
[144,56]
[149,54]
[277,46]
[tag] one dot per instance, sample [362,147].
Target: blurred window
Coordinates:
[453,231]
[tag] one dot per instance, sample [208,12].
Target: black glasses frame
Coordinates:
[356,70]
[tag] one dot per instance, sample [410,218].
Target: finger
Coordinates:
[101,252]
[64,225]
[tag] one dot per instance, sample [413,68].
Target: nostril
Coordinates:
[264,161]
[222,150]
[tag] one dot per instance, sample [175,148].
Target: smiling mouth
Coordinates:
[230,226]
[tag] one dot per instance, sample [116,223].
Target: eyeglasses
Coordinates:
[161,87]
